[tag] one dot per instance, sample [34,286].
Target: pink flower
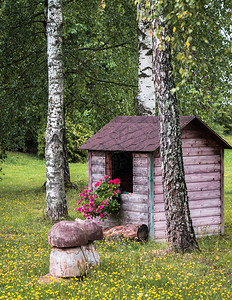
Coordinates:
[97,184]
[115,181]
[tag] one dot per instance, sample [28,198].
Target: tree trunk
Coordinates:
[146,95]
[55,192]
[67,180]
[180,231]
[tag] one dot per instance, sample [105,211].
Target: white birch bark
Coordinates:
[56,206]
[146,94]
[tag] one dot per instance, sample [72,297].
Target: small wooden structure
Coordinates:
[128,148]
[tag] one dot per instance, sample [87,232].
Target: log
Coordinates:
[136,155]
[198,142]
[195,169]
[195,160]
[140,162]
[140,189]
[129,231]
[132,198]
[133,217]
[210,177]
[140,172]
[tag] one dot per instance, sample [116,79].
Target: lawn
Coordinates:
[128,270]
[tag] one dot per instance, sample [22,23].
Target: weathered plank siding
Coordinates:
[99,166]
[203,161]
[204,170]
[134,206]
[96,166]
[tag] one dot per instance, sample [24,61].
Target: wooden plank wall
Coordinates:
[135,207]
[202,161]
[97,167]
[97,170]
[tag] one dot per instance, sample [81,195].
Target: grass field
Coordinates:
[128,270]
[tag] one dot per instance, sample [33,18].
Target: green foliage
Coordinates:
[23,77]
[76,135]
[100,62]
[100,56]
[223,117]
[199,33]
[99,52]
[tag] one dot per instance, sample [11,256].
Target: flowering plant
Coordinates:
[100,202]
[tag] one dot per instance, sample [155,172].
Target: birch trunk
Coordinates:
[56,206]
[67,179]
[146,95]
[180,231]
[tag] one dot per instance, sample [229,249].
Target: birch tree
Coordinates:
[180,231]
[146,95]
[55,193]
[176,26]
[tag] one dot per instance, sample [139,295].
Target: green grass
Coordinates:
[128,270]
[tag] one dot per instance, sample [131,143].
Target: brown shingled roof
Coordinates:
[137,133]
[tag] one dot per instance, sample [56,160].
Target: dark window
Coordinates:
[122,168]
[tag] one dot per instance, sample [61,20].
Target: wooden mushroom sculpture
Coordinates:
[73,250]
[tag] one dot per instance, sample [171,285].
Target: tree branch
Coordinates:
[103,48]
[73,71]
[111,82]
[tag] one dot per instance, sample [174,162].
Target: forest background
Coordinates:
[101,70]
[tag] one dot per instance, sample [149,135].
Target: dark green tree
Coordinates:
[99,65]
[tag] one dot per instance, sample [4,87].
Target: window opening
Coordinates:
[122,168]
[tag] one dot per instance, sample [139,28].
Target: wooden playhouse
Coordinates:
[128,148]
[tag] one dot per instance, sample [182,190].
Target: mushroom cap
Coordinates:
[93,229]
[67,234]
